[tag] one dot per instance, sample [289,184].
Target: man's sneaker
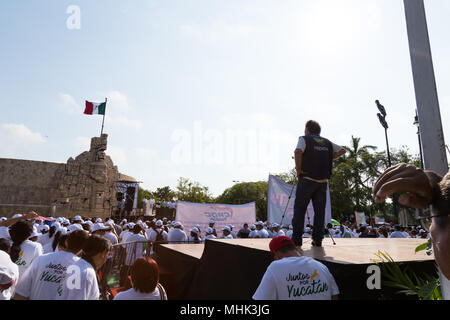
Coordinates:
[315,243]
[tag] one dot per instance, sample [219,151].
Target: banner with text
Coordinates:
[191,214]
[278,197]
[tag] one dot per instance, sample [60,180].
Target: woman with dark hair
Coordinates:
[48,237]
[81,281]
[145,282]
[23,251]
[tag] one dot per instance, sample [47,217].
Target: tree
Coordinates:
[164,194]
[192,191]
[246,192]
[143,194]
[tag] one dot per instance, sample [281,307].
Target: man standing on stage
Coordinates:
[314,157]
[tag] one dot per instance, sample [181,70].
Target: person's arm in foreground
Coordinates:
[10,222]
[420,189]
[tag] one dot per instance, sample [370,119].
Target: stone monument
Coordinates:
[85,186]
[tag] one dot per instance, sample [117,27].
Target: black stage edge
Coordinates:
[229,271]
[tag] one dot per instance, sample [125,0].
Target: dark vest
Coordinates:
[317,160]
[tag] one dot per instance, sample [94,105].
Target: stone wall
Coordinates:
[86,185]
[27,183]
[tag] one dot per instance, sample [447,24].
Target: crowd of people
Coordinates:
[36,253]
[62,259]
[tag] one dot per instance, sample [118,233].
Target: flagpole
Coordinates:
[103,121]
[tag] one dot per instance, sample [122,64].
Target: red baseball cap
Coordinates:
[280,242]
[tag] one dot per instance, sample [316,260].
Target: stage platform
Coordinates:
[232,269]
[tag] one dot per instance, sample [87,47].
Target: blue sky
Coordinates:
[212,90]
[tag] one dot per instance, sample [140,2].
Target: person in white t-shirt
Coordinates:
[209,233]
[295,277]
[397,233]
[195,235]
[290,232]
[260,231]
[307,233]
[49,236]
[252,231]
[43,279]
[135,250]
[145,281]
[23,251]
[153,235]
[126,232]
[277,232]
[226,233]
[176,234]
[81,282]
[9,272]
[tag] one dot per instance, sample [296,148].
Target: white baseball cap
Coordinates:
[17,215]
[259,223]
[212,222]
[99,220]
[226,228]
[3,219]
[195,230]
[43,227]
[252,227]
[177,224]
[159,223]
[62,230]
[56,224]
[35,233]
[99,226]
[74,227]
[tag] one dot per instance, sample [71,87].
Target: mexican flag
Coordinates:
[95,107]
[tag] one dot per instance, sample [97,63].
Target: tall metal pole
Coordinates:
[416,122]
[387,146]
[103,121]
[431,133]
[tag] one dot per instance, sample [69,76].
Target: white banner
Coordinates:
[191,214]
[277,198]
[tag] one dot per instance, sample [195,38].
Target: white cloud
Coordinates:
[69,104]
[118,156]
[19,133]
[118,110]
[18,141]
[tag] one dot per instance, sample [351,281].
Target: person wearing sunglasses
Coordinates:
[422,189]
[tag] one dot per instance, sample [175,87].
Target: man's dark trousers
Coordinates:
[308,190]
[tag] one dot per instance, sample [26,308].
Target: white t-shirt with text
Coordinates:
[29,251]
[44,277]
[296,278]
[80,284]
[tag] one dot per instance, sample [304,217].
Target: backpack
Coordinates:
[159,236]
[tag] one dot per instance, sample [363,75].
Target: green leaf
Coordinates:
[423,246]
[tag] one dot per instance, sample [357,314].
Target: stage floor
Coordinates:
[346,251]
